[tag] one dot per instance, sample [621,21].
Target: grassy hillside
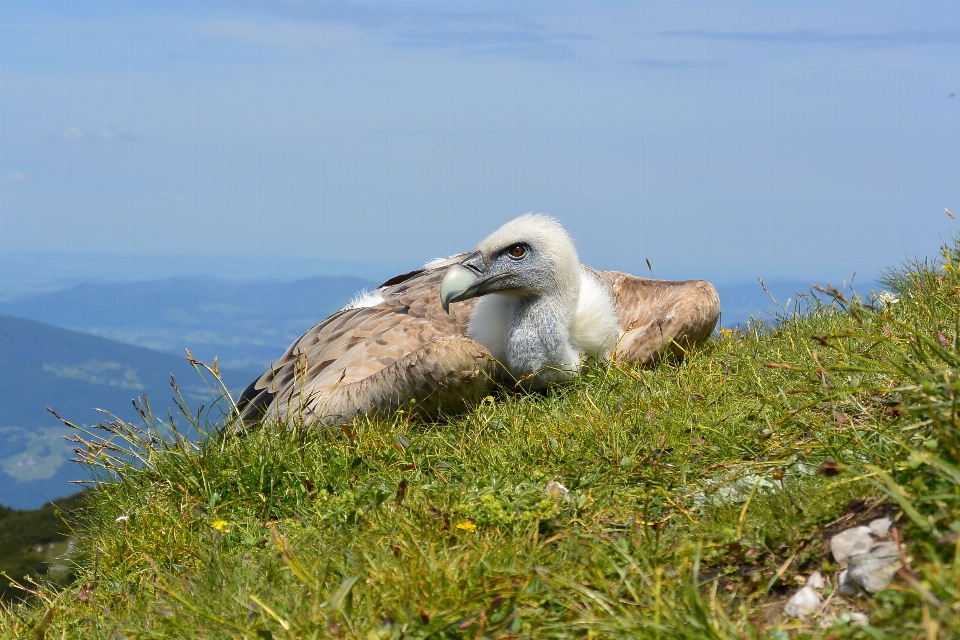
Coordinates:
[701,495]
[73,373]
[245,324]
[37,543]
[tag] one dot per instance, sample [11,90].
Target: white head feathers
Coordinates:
[536,228]
[560,314]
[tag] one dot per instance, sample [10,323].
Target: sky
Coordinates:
[720,140]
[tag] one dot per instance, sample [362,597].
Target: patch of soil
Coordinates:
[752,575]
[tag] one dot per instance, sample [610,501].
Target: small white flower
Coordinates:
[887,299]
[123,518]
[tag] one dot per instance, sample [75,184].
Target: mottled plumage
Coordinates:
[398,346]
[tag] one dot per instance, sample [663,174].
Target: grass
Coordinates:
[694,508]
[32,544]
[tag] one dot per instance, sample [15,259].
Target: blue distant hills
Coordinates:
[113,342]
[74,373]
[740,302]
[246,324]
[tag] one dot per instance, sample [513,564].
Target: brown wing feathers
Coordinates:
[661,317]
[375,358]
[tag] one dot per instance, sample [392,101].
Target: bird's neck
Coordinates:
[538,339]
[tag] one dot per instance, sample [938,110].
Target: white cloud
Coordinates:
[73,133]
[288,36]
[103,132]
[16,176]
[472,30]
[817,36]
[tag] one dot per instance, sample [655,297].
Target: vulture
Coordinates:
[519,310]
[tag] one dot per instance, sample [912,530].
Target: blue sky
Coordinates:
[723,140]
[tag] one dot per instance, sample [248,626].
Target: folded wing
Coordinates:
[661,318]
[378,359]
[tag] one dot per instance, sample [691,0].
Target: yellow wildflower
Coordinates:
[220,525]
[467,526]
[725,333]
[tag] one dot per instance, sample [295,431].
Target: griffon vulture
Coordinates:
[520,310]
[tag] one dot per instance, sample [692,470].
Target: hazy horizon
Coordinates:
[24,273]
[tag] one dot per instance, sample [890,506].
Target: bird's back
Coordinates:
[355,343]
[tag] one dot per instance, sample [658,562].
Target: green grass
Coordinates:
[694,509]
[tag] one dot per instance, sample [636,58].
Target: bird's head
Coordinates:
[528,257]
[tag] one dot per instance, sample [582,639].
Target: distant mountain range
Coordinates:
[30,272]
[74,373]
[245,324]
[103,344]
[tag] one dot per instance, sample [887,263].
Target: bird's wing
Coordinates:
[661,317]
[377,358]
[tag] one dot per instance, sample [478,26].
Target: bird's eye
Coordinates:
[517,251]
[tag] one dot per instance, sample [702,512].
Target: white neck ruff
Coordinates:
[593,332]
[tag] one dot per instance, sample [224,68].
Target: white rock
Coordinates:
[815,581]
[732,491]
[858,618]
[555,490]
[881,527]
[845,617]
[803,603]
[850,542]
[873,570]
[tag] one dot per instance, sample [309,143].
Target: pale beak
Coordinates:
[462,281]
[457,285]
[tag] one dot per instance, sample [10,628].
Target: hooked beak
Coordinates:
[463,281]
